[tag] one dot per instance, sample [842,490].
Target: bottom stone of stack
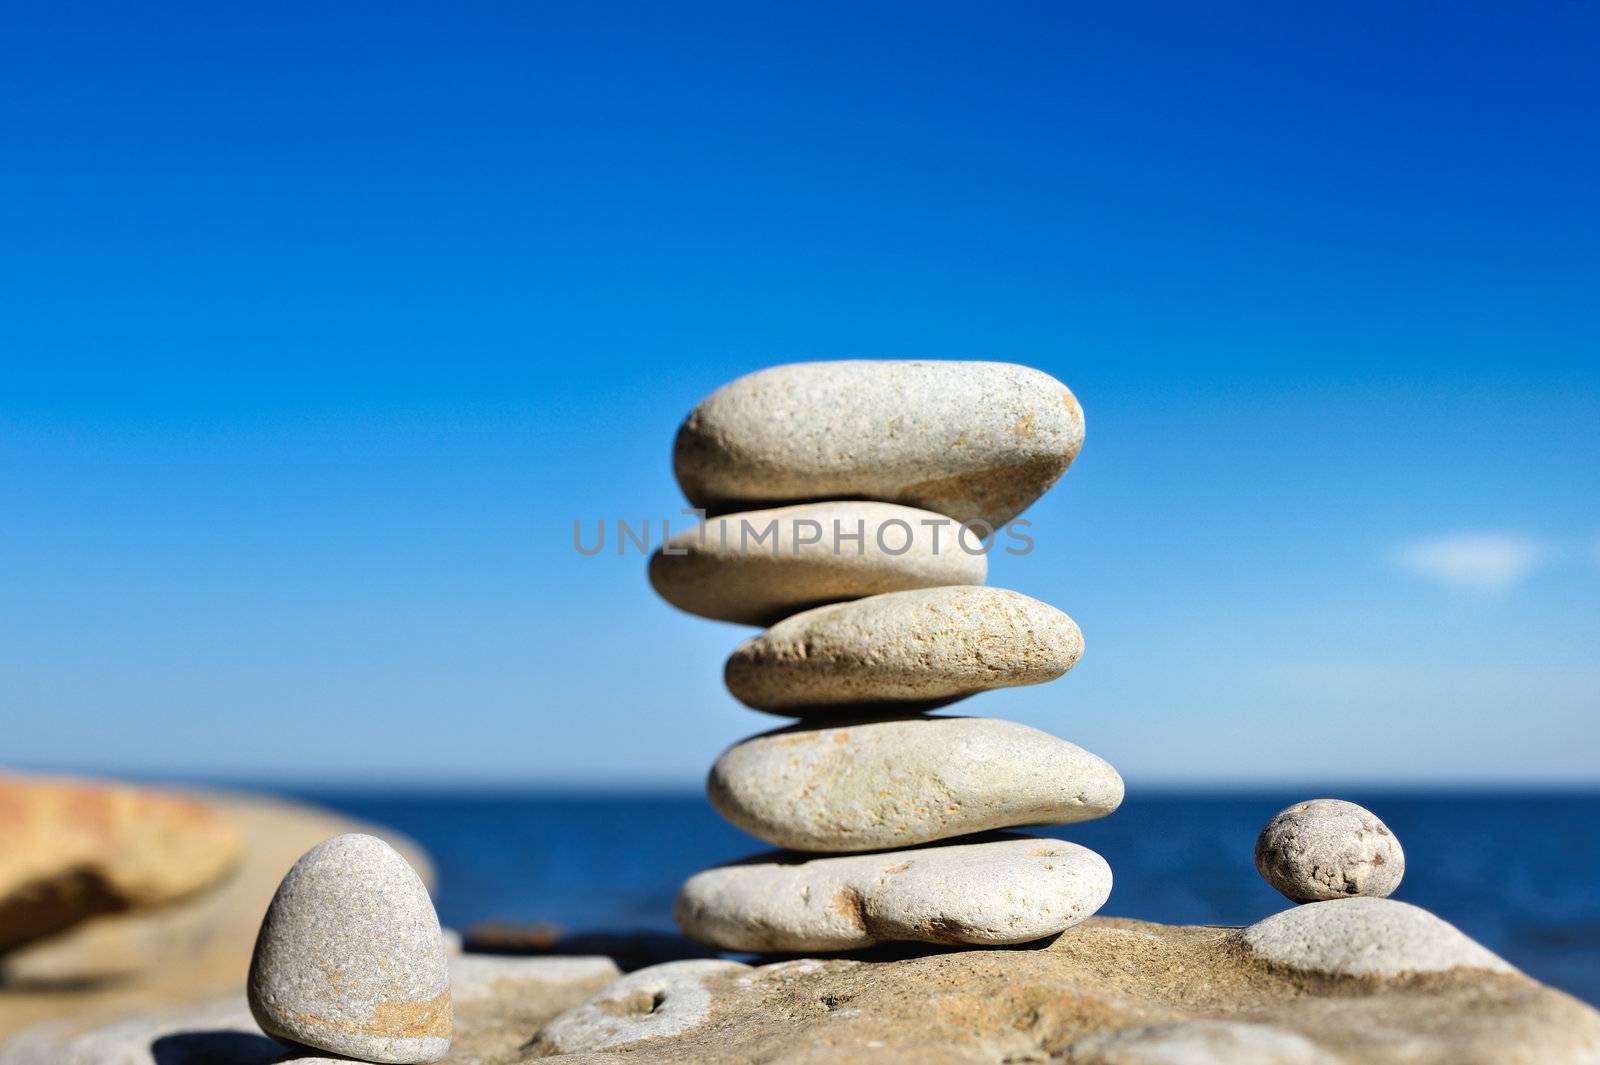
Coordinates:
[1003,889]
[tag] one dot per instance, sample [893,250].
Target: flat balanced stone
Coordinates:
[916,648]
[1365,937]
[874,784]
[1010,890]
[974,440]
[350,958]
[1329,849]
[762,565]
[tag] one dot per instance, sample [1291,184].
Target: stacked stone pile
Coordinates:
[851,508]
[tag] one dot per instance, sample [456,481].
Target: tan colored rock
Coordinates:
[178,952]
[1012,889]
[916,649]
[501,1001]
[759,566]
[74,849]
[898,782]
[1111,991]
[974,440]
[1108,991]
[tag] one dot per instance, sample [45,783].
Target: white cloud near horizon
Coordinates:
[1481,561]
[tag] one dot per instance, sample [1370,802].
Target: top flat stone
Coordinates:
[350,958]
[974,440]
[760,566]
[1365,937]
[907,649]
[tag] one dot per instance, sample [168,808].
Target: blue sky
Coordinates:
[319,328]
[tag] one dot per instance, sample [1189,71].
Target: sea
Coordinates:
[1518,872]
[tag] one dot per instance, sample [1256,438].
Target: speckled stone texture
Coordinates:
[760,566]
[898,782]
[974,440]
[350,958]
[1013,889]
[1329,849]
[916,648]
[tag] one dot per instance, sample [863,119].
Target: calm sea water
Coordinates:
[1519,873]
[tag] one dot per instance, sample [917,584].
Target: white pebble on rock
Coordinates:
[1329,849]
[1014,889]
[915,648]
[762,565]
[350,958]
[1365,937]
[974,440]
[899,782]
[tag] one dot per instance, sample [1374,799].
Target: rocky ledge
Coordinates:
[1356,980]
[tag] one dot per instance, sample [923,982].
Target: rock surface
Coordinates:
[182,951]
[1196,1041]
[655,1003]
[1329,849]
[915,648]
[1013,889]
[763,565]
[351,960]
[1365,937]
[974,440]
[1107,991]
[71,850]
[874,784]
[500,1003]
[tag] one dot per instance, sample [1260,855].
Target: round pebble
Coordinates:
[1329,849]
[916,648]
[350,958]
[974,440]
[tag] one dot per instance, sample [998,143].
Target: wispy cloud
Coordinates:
[1483,561]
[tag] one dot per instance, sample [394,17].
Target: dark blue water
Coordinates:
[1520,874]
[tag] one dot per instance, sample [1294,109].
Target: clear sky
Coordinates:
[319,325]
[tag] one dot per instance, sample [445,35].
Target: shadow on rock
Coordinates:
[219,1047]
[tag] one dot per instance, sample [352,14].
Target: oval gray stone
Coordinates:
[974,440]
[915,648]
[1329,849]
[759,566]
[1365,937]
[1008,890]
[896,783]
[350,958]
